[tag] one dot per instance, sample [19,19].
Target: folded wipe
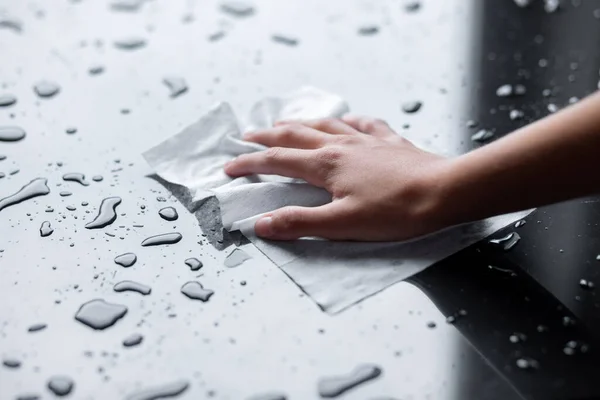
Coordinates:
[334,274]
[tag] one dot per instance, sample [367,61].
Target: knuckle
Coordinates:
[371,124]
[326,123]
[330,155]
[288,131]
[273,153]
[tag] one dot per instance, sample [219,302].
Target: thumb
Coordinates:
[294,222]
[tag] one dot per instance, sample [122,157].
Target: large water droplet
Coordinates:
[98,314]
[133,340]
[165,238]
[335,386]
[132,286]
[176,85]
[507,242]
[61,385]
[193,263]
[411,106]
[46,229]
[107,213]
[76,177]
[237,8]
[160,392]
[7,100]
[46,89]
[130,43]
[194,290]
[268,396]
[168,213]
[11,133]
[36,187]
[126,260]
[236,257]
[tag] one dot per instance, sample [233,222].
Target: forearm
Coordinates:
[554,159]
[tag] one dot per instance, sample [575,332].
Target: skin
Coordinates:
[385,188]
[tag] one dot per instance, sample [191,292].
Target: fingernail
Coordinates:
[264,227]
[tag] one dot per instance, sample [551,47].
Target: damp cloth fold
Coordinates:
[335,275]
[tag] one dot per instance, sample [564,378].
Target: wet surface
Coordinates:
[517,324]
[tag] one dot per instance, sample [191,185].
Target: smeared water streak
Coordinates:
[160,392]
[335,386]
[131,286]
[11,133]
[99,314]
[162,239]
[237,8]
[285,39]
[194,290]
[507,242]
[37,187]
[236,257]
[7,100]
[107,213]
[37,327]
[126,260]
[130,43]
[46,229]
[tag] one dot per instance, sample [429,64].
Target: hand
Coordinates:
[383,187]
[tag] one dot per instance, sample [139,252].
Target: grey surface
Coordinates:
[248,339]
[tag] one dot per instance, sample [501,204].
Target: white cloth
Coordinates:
[334,274]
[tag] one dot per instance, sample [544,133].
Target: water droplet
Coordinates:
[552,108]
[410,107]
[71,130]
[516,115]
[133,340]
[46,89]
[97,178]
[131,286]
[269,396]
[285,39]
[46,229]
[368,30]
[130,43]
[542,328]
[11,363]
[61,385]
[11,133]
[585,284]
[412,5]
[75,177]
[28,396]
[482,135]
[527,363]
[573,100]
[37,327]
[126,5]
[159,392]
[12,24]
[7,100]
[98,314]
[107,213]
[71,208]
[568,321]
[176,85]
[450,319]
[471,124]
[96,70]
[194,290]
[168,213]
[65,193]
[517,337]
[36,187]
[507,242]
[193,263]
[236,258]
[165,238]
[431,325]
[237,8]
[126,260]
[337,385]
[523,3]
[218,35]
[551,6]
[520,223]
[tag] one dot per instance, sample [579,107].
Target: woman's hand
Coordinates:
[383,187]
